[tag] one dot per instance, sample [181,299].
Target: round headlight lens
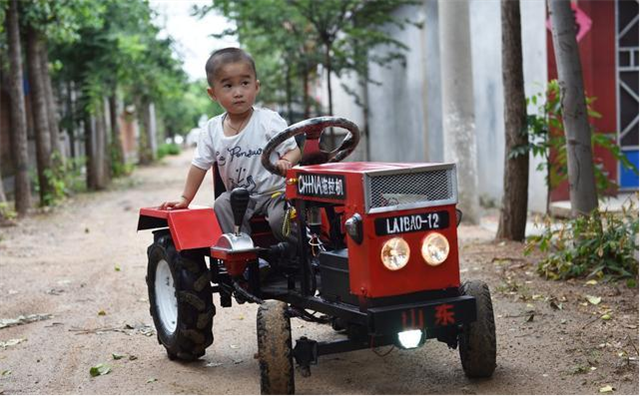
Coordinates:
[435,249]
[395,253]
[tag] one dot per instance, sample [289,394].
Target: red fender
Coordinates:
[192,228]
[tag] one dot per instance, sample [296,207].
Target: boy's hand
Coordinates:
[283,165]
[181,204]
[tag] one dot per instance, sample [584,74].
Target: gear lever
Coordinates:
[239,202]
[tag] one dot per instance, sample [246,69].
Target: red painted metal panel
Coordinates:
[194,228]
[370,278]
[191,228]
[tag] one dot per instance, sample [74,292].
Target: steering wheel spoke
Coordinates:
[312,129]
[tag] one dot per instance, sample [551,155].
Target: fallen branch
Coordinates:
[97,330]
[20,320]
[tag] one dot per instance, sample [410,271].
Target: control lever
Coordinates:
[239,202]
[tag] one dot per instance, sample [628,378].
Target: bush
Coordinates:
[64,177]
[168,149]
[602,245]
[6,212]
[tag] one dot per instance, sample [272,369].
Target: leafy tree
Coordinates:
[46,22]
[348,28]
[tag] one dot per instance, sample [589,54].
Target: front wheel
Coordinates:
[478,339]
[274,349]
[180,298]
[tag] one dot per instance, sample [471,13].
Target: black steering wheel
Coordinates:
[312,129]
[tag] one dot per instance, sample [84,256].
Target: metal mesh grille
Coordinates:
[411,188]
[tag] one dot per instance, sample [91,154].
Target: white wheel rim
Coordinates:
[166,301]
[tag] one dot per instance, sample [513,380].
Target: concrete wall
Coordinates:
[406,111]
[484,18]
[398,107]
[534,58]
[344,105]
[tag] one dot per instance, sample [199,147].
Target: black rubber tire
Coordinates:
[478,339]
[193,333]
[274,349]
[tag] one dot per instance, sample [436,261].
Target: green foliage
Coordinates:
[3,14]
[183,113]
[61,21]
[7,212]
[168,149]
[64,177]
[547,140]
[601,245]
[119,168]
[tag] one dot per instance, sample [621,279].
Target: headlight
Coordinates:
[410,339]
[395,253]
[435,249]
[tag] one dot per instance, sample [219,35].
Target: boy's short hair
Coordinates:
[225,56]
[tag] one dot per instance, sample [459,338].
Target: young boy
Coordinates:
[235,140]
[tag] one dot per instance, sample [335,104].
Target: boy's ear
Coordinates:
[211,94]
[257,86]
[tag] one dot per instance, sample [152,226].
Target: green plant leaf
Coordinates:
[99,369]
[593,299]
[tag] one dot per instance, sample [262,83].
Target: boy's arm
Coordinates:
[288,160]
[191,186]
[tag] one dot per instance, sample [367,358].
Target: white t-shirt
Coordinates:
[238,156]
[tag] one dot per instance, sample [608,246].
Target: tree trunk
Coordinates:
[327,64]
[105,148]
[288,93]
[39,110]
[117,151]
[52,108]
[144,146]
[457,103]
[582,185]
[71,126]
[18,112]
[90,152]
[305,94]
[3,196]
[513,215]
[153,129]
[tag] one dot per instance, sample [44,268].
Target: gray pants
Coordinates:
[273,208]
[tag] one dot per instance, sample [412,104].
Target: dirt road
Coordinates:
[84,264]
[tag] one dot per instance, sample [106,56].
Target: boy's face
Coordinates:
[235,87]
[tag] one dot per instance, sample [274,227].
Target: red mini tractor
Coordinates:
[376,258]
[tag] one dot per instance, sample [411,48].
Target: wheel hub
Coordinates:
[166,301]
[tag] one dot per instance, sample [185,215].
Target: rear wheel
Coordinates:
[274,349]
[180,298]
[478,339]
